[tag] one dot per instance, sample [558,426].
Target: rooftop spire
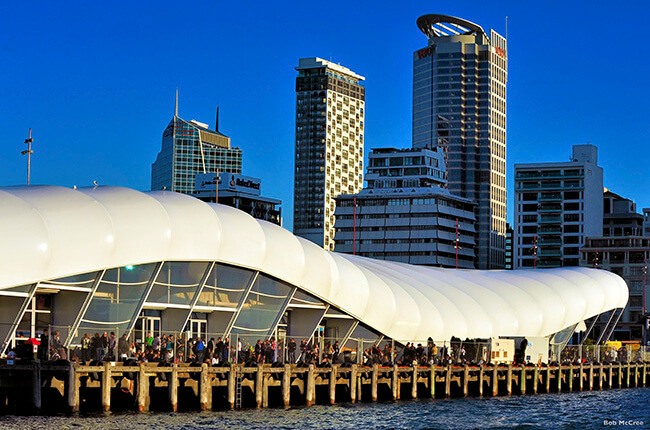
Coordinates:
[176,106]
[216,124]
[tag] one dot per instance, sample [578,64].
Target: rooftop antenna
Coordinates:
[506,28]
[29,153]
[216,124]
[176,106]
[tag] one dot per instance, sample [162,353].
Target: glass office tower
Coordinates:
[459,104]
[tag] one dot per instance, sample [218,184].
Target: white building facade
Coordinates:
[556,206]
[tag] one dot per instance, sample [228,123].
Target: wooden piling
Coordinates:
[495,381]
[311,386]
[143,389]
[353,383]
[601,376]
[480,381]
[373,382]
[591,376]
[286,386]
[259,386]
[36,387]
[559,378]
[448,382]
[570,377]
[465,380]
[205,388]
[509,379]
[172,388]
[620,376]
[414,383]
[522,379]
[627,376]
[432,381]
[107,381]
[72,389]
[535,379]
[231,386]
[548,379]
[332,385]
[582,376]
[394,383]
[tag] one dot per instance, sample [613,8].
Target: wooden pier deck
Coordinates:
[45,387]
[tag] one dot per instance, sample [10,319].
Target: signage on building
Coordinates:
[424,52]
[206,182]
[500,52]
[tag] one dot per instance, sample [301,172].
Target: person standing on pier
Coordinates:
[291,348]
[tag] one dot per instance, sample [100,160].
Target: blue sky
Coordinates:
[96,82]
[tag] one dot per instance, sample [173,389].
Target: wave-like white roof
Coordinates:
[48,232]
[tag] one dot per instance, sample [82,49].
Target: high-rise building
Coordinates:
[188,148]
[405,214]
[556,206]
[459,104]
[509,247]
[330,105]
[623,249]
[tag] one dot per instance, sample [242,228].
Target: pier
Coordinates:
[71,387]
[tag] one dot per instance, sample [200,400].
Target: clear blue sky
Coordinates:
[96,81]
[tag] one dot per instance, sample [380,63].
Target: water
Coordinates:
[584,410]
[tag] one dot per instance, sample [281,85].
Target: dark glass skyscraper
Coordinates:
[459,104]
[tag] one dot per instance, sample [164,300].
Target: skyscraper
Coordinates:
[330,103]
[188,148]
[459,104]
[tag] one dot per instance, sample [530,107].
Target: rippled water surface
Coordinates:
[628,408]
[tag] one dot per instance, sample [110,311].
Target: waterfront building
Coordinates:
[239,191]
[622,249]
[556,206]
[405,214]
[330,112]
[107,258]
[188,148]
[459,105]
[646,221]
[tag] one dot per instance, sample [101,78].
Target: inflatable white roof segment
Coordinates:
[48,232]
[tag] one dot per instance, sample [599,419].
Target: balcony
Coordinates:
[549,241]
[549,230]
[550,252]
[550,197]
[550,219]
[549,209]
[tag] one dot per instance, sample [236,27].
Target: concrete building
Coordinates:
[239,191]
[622,249]
[405,214]
[330,109]
[459,105]
[646,221]
[556,206]
[188,148]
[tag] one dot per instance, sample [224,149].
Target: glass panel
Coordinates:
[18,289]
[224,286]
[117,297]
[177,282]
[262,306]
[303,298]
[83,280]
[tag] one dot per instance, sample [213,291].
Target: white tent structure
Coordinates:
[166,251]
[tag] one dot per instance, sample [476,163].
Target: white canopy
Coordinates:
[48,232]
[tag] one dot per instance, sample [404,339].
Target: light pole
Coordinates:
[29,153]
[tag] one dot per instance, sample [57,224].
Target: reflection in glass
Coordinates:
[224,286]
[117,297]
[84,280]
[177,282]
[262,306]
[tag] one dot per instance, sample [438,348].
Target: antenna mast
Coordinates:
[29,153]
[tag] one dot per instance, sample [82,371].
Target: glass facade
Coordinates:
[177,282]
[225,287]
[189,148]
